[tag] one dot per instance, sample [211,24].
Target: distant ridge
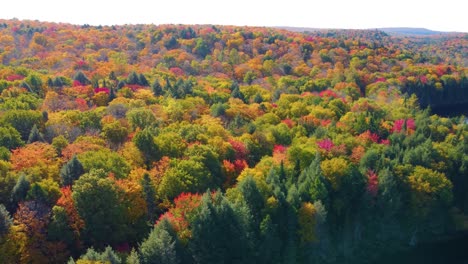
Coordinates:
[394,31]
[411,31]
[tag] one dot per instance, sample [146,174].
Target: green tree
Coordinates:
[20,190]
[97,203]
[81,77]
[201,48]
[35,135]
[115,132]
[161,245]
[150,197]
[10,138]
[5,221]
[156,88]
[106,160]
[217,232]
[145,142]
[140,118]
[71,171]
[22,120]
[59,229]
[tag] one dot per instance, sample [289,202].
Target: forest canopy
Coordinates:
[224,144]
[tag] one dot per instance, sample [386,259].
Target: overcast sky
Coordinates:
[445,15]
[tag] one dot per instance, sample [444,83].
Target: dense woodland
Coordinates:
[222,144]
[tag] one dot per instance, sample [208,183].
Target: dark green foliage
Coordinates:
[217,232]
[133,78]
[201,48]
[311,183]
[171,43]
[59,229]
[71,171]
[107,256]
[157,88]
[150,196]
[161,245]
[81,77]
[96,200]
[20,190]
[10,138]
[5,220]
[144,141]
[22,120]
[37,193]
[235,91]
[35,135]
[142,80]
[253,199]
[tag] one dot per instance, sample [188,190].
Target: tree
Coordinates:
[107,256]
[22,120]
[235,91]
[96,200]
[20,190]
[217,232]
[10,138]
[141,118]
[35,135]
[312,184]
[71,171]
[144,141]
[81,78]
[161,245]
[115,132]
[133,78]
[5,221]
[150,195]
[133,258]
[156,88]
[105,160]
[201,48]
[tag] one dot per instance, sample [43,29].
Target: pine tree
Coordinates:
[71,171]
[142,80]
[157,88]
[133,78]
[150,196]
[161,245]
[20,190]
[81,77]
[133,258]
[218,233]
[235,91]
[35,135]
[5,220]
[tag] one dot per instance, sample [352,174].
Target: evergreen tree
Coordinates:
[150,195]
[312,184]
[20,190]
[253,199]
[133,258]
[71,171]
[37,193]
[81,77]
[156,88]
[235,91]
[161,245]
[142,80]
[35,135]
[217,232]
[5,220]
[133,78]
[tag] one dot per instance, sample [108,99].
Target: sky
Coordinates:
[446,15]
